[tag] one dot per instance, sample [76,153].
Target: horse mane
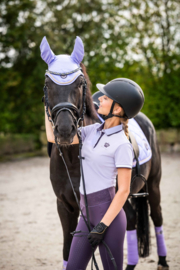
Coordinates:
[91,115]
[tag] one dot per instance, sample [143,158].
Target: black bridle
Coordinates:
[78,119]
[65,106]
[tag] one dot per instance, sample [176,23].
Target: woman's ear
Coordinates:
[117,109]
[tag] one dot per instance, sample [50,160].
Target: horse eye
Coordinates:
[80,84]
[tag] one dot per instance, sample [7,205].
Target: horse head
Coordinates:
[67,90]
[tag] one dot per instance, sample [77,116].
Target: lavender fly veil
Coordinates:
[63,63]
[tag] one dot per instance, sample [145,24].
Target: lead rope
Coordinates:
[81,168]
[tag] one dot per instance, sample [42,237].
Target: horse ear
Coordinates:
[78,52]
[46,53]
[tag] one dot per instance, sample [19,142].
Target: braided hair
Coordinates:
[124,121]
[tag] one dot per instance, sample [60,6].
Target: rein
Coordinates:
[79,119]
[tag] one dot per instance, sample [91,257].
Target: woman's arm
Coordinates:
[49,130]
[124,180]
[50,133]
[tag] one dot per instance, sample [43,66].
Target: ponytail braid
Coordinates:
[124,121]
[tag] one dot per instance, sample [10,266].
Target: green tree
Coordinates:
[135,39]
[152,28]
[19,71]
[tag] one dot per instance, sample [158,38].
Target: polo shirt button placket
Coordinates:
[102,133]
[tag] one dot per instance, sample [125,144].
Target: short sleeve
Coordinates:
[124,156]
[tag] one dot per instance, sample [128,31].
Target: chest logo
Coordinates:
[106,144]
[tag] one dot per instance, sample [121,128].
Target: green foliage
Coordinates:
[17,143]
[134,39]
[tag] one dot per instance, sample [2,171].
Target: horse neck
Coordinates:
[89,121]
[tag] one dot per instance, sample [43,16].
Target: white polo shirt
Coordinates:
[104,150]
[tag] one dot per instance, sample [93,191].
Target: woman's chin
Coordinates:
[99,111]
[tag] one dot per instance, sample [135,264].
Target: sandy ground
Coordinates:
[30,231]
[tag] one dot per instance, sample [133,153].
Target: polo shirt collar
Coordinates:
[110,131]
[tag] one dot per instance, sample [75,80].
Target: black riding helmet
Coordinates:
[126,93]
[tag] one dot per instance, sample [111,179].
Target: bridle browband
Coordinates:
[71,108]
[63,74]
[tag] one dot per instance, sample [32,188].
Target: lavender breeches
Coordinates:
[81,251]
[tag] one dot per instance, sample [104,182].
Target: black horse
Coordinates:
[136,209]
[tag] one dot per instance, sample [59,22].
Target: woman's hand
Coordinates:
[97,234]
[49,130]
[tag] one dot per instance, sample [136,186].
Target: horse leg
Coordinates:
[156,215]
[132,237]
[132,241]
[137,228]
[69,222]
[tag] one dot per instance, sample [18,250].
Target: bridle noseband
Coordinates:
[65,106]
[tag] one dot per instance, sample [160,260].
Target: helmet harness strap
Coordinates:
[111,114]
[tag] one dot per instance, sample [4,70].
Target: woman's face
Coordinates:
[105,105]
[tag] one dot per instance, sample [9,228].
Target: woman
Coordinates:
[107,153]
